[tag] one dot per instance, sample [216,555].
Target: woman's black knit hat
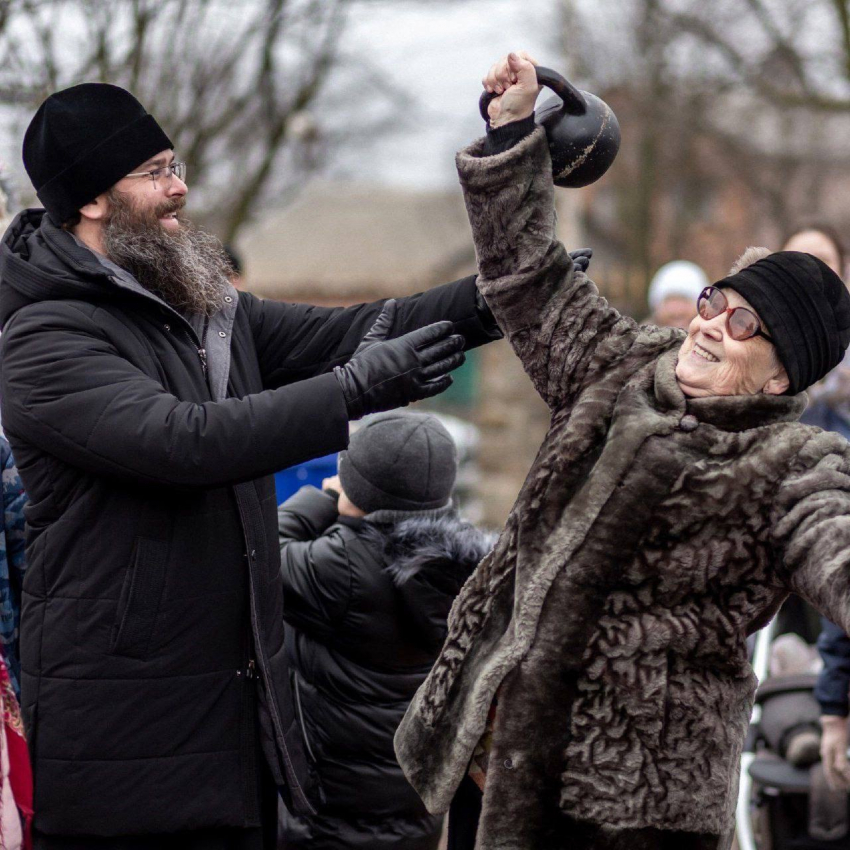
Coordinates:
[805,307]
[83,140]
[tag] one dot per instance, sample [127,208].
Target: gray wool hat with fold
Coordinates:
[399,461]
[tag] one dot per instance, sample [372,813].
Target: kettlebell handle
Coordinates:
[574,102]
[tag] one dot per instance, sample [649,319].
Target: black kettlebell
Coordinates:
[583,132]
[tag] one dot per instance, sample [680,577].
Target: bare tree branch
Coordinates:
[224,82]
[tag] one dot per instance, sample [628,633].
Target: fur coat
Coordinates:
[653,534]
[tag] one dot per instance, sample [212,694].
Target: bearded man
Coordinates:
[148,403]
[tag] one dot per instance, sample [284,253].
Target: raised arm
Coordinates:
[560,327]
[67,389]
[314,564]
[298,341]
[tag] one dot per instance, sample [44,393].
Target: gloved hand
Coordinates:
[581,258]
[833,751]
[384,374]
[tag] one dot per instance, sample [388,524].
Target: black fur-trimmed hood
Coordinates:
[429,560]
[435,546]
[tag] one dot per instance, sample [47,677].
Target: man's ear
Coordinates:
[97,209]
[778,384]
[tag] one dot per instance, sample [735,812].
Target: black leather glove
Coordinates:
[581,258]
[387,373]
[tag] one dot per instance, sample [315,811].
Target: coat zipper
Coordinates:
[200,344]
[262,668]
[202,351]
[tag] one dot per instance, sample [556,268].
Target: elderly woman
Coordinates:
[595,678]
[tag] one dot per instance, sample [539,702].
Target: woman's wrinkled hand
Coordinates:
[514,81]
[833,752]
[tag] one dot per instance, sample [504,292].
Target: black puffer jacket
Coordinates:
[154,567]
[366,608]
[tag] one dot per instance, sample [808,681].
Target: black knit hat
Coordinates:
[83,140]
[805,307]
[399,462]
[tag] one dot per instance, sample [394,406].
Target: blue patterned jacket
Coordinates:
[12,562]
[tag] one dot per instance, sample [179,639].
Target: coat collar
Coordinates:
[728,412]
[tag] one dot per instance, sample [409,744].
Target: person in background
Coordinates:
[831,693]
[15,770]
[829,400]
[370,568]
[673,294]
[820,240]
[830,410]
[12,563]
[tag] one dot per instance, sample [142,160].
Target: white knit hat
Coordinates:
[681,278]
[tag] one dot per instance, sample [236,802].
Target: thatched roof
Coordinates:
[345,242]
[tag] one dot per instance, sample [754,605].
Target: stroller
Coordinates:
[780,806]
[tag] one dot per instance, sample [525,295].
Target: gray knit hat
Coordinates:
[400,462]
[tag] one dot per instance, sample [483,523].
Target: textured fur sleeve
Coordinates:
[560,327]
[812,526]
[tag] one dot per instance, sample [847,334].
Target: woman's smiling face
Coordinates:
[712,363]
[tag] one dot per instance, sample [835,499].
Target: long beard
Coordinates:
[187,268]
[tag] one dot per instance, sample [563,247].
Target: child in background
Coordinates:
[371,565]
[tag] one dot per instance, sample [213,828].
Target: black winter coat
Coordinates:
[154,579]
[366,609]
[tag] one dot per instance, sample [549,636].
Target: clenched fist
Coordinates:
[514,80]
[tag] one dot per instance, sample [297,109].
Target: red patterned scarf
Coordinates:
[20,770]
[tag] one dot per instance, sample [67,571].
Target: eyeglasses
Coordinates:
[165,173]
[741,323]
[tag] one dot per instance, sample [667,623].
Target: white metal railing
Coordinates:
[743,819]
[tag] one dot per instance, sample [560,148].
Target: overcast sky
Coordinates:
[437,50]
[440,50]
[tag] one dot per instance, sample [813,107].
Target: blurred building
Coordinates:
[684,189]
[342,243]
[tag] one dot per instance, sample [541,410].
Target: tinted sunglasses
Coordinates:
[741,323]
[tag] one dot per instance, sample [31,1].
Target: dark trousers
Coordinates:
[465,813]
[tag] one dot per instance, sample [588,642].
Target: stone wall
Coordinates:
[513,421]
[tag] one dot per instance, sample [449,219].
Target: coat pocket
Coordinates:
[140,596]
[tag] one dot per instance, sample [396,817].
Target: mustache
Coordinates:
[172,205]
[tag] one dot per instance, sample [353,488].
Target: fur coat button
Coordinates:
[688,423]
